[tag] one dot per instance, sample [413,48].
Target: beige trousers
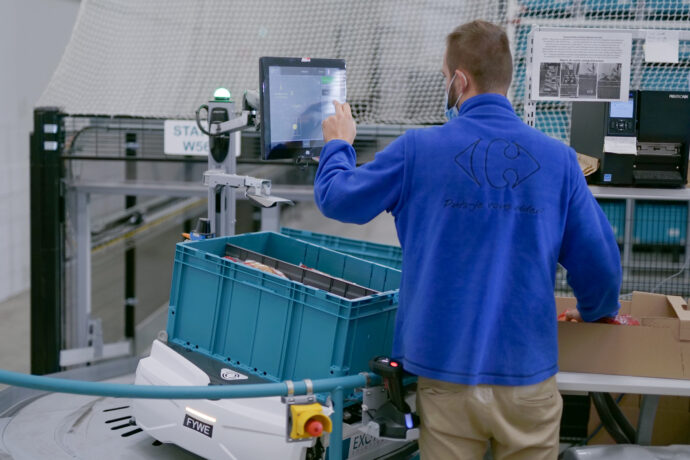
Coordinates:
[520,422]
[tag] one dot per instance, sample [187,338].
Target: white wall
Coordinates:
[33,36]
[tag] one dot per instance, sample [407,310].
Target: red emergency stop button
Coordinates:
[394,364]
[314,427]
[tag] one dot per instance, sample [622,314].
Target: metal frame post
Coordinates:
[84,334]
[47,245]
[512,14]
[686,275]
[530,107]
[335,449]
[628,238]
[131,148]
[645,424]
[79,320]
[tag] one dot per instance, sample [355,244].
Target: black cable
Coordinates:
[598,428]
[620,417]
[198,120]
[591,436]
[608,420]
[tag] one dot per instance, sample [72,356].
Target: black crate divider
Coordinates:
[305,276]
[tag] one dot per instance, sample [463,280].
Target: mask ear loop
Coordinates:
[459,95]
[448,91]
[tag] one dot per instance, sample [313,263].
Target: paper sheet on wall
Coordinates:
[661,46]
[581,65]
[627,145]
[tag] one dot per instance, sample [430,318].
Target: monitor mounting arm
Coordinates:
[258,191]
[238,123]
[225,125]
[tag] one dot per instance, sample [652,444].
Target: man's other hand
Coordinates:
[341,125]
[573,316]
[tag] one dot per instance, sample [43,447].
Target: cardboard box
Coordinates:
[659,347]
[671,427]
[671,424]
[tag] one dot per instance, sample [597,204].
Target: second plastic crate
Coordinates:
[390,256]
[660,223]
[274,327]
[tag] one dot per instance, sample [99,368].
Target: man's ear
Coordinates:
[461,76]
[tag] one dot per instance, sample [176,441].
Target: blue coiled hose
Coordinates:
[120,390]
[334,385]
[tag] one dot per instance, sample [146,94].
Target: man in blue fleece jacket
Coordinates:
[485,208]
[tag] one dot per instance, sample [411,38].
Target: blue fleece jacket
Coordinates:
[485,207]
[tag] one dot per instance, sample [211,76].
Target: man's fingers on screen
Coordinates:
[338,107]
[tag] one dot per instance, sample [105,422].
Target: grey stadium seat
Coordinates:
[628,452]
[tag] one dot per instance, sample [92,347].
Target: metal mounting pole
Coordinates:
[222,200]
[270,219]
[221,178]
[231,168]
[227,195]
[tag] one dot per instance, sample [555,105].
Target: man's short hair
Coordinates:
[482,49]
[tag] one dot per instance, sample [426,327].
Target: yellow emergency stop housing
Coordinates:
[301,414]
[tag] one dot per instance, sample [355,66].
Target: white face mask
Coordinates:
[452,112]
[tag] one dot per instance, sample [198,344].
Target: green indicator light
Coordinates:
[326,80]
[221,94]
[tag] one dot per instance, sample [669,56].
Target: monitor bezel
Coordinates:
[291,151]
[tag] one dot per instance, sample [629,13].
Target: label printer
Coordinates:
[640,142]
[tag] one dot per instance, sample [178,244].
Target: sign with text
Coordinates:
[581,65]
[183,137]
[198,425]
[661,46]
[361,444]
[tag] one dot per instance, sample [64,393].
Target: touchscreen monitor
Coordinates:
[296,96]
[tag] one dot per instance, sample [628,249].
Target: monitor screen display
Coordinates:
[297,94]
[621,109]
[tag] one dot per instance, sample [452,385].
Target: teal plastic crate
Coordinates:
[532,6]
[609,6]
[615,213]
[274,327]
[660,223]
[667,7]
[390,256]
